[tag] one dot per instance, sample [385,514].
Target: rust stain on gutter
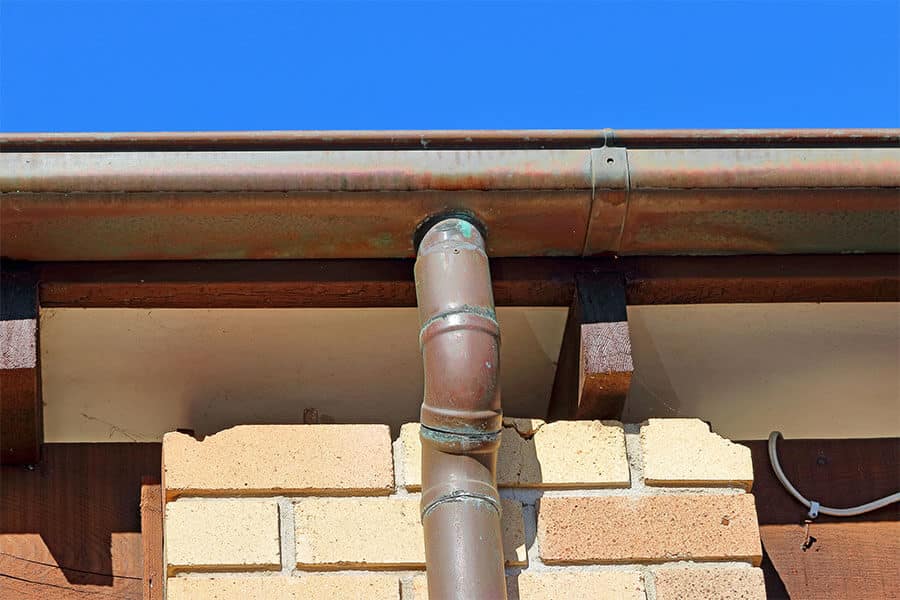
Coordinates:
[771,221]
[748,201]
[363,204]
[260,225]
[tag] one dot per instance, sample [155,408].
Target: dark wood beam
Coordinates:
[763,279]
[517,281]
[21,421]
[593,373]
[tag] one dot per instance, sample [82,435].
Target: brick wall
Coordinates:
[590,510]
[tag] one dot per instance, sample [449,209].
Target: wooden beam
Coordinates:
[517,281]
[21,420]
[152,537]
[762,279]
[594,370]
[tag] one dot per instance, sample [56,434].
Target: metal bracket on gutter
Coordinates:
[610,182]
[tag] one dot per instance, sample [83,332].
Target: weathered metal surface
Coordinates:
[460,338]
[346,171]
[461,414]
[755,201]
[458,567]
[363,204]
[764,168]
[609,207]
[265,225]
[762,221]
[284,205]
[443,140]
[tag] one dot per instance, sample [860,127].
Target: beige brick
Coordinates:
[683,452]
[222,535]
[613,585]
[420,588]
[280,459]
[709,583]
[609,585]
[648,529]
[339,533]
[564,454]
[363,586]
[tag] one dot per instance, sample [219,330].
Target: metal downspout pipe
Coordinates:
[461,414]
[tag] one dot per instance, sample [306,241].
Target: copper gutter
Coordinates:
[461,414]
[654,197]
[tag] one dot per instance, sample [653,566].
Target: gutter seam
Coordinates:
[622,230]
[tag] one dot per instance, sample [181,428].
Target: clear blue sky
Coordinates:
[204,65]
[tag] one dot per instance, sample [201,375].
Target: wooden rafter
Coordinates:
[593,373]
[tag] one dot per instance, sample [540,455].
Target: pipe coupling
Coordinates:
[457,467]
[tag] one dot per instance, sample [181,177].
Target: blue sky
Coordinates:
[204,65]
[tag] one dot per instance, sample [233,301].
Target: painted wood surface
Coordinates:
[517,281]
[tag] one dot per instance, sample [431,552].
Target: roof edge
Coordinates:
[446,140]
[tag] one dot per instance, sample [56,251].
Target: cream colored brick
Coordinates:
[363,586]
[222,535]
[409,457]
[280,459]
[340,533]
[420,588]
[698,583]
[683,452]
[563,454]
[609,585]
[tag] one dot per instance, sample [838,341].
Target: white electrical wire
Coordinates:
[815,509]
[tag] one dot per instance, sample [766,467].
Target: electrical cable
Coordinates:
[815,509]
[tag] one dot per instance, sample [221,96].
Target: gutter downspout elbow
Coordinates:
[461,414]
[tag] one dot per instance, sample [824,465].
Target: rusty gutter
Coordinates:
[324,204]
[461,414]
